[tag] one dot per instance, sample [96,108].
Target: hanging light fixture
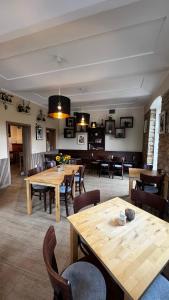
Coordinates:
[82,119]
[59,107]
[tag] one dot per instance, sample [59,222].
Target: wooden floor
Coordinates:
[22,271]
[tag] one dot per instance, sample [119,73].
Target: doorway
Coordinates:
[50,139]
[19,149]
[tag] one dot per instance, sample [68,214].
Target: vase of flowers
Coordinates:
[61,160]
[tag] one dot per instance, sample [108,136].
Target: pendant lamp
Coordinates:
[82,119]
[59,107]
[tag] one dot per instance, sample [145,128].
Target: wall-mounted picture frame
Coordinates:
[162,122]
[120,133]
[126,122]
[39,132]
[71,122]
[69,133]
[110,127]
[81,139]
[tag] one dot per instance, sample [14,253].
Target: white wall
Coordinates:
[11,115]
[134,136]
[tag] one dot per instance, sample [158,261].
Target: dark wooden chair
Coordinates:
[66,192]
[38,190]
[50,164]
[150,184]
[104,168]
[81,201]
[79,179]
[81,280]
[146,200]
[118,166]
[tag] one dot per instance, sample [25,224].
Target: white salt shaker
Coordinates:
[122,218]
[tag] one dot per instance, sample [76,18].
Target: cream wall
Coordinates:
[134,136]
[11,115]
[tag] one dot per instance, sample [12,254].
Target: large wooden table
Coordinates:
[50,178]
[134,174]
[133,254]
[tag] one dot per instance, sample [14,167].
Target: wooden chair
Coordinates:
[81,201]
[104,168]
[81,280]
[149,183]
[40,189]
[118,166]
[143,199]
[79,179]
[66,192]
[50,164]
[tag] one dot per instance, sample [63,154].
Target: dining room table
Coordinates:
[51,178]
[133,254]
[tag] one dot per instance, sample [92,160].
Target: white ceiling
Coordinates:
[111,52]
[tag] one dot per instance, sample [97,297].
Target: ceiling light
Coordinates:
[82,119]
[59,107]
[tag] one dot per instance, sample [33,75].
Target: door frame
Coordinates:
[30,142]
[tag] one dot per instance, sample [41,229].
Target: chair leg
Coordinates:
[83,186]
[40,195]
[44,195]
[66,205]
[80,190]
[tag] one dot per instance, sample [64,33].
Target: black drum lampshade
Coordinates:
[82,119]
[59,107]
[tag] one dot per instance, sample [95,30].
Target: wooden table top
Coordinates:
[51,177]
[135,172]
[133,254]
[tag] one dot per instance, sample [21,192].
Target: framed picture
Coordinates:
[81,139]
[110,127]
[70,122]
[69,133]
[162,122]
[120,133]
[39,133]
[126,122]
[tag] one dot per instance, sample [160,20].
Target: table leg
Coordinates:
[73,245]
[130,186]
[57,203]
[73,189]
[29,200]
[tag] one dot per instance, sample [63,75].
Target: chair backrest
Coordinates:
[145,178]
[62,288]
[83,200]
[50,164]
[34,171]
[69,180]
[141,198]
[81,171]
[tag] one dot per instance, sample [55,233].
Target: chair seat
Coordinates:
[150,189]
[128,165]
[104,165]
[86,281]
[63,189]
[42,188]
[158,290]
[77,178]
[118,166]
